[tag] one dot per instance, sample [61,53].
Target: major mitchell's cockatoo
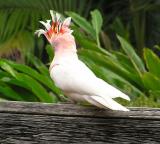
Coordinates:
[70,74]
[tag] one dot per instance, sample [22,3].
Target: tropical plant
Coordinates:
[19,20]
[138,19]
[23,83]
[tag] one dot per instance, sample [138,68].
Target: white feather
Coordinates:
[58,16]
[47,24]
[67,21]
[52,15]
[75,78]
[40,31]
[110,103]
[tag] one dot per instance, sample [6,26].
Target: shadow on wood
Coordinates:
[39,123]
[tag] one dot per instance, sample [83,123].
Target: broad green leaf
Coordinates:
[151,82]
[9,92]
[157,47]
[12,81]
[31,83]
[27,95]
[89,44]
[20,88]
[50,52]
[152,61]
[125,62]
[7,68]
[86,43]
[38,64]
[134,58]
[97,22]
[35,87]
[3,74]
[83,23]
[44,79]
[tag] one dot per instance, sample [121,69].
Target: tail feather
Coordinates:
[114,93]
[109,103]
[109,90]
[122,95]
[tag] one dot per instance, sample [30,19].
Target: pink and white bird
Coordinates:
[70,74]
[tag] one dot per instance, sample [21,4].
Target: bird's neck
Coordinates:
[64,55]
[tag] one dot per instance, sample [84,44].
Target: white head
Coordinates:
[58,32]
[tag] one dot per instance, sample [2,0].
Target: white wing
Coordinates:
[76,77]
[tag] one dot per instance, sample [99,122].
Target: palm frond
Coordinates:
[21,16]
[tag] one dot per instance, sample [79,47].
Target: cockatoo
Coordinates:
[70,74]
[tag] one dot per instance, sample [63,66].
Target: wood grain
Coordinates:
[39,123]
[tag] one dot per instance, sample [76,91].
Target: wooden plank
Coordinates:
[76,110]
[37,123]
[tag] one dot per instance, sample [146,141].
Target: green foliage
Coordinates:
[21,82]
[135,20]
[134,58]
[83,23]
[93,28]
[19,20]
[97,24]
[141,24]
[152,62]
[50,52]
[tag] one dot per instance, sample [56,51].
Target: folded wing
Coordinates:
[78,78]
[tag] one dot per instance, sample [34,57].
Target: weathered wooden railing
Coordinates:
[39,123]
